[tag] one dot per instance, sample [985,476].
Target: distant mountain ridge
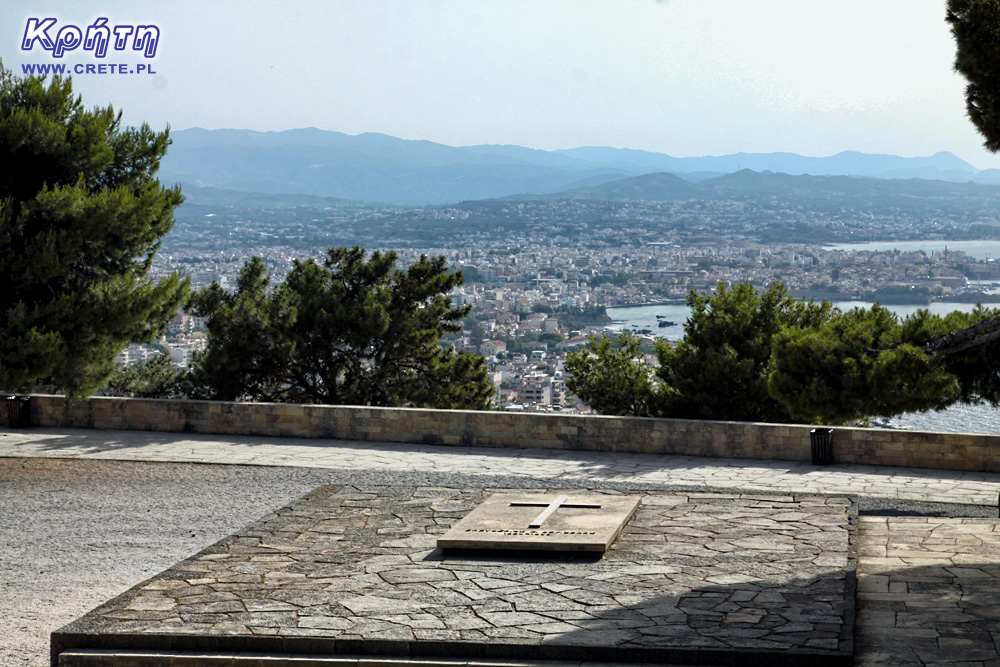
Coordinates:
[752,185]
[380,168]
[846,163]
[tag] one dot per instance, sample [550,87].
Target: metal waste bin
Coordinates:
[821,440]
[18,411]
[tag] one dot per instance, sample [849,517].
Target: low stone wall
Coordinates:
[954,451]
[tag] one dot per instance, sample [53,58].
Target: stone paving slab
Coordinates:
[928,592]
[695,578]
[565,523]
[579,467]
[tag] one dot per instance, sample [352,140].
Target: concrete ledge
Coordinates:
[918,449]
[106,658]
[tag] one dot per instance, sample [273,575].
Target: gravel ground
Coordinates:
[74,533]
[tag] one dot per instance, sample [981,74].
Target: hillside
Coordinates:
[380,168]
[760,186]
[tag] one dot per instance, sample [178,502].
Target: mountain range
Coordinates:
[829,192]
[380,168]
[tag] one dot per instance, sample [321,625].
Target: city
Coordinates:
[540,275]
[479,333]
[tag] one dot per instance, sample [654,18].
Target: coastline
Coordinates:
[671,302]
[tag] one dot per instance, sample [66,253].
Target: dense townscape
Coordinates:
[540,275]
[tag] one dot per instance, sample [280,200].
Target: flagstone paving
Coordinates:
[694,578]
[579,467]
[928,592]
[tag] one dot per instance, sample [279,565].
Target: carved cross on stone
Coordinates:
[552,507]
[503,521]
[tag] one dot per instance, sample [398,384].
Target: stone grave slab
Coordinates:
[693,578]
[543,522]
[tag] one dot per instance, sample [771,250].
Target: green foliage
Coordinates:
[611,376]
[81,216]
[577,317]
[749,356]
[720,368]
[859,364]
[866,362]
[976,27]
[351,331]
[473,275]
[477,334]
[977,369]
[152,378]
[246,355]
[613,279]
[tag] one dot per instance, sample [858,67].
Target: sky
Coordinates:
[682,77]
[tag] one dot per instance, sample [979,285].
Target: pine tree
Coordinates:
[720,369]
[975,25]
[860,364]
[352,330]
[763,356]
[611,375]
[81,217]
[152,378]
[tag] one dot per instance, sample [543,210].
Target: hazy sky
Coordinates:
[684,77]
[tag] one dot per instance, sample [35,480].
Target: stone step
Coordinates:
[121,658]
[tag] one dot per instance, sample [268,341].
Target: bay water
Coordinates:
[987,249]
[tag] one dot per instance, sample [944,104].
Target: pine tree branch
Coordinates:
[963,339]
[975,342]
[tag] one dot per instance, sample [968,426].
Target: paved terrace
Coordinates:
[572,467]
[927,586]
[695,578]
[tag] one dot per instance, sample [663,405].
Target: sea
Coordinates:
[977,249]
[958,418]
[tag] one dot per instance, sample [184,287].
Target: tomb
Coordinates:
[574,522]
[350,575]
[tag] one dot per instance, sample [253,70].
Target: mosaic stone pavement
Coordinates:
[695,578]
[929,592]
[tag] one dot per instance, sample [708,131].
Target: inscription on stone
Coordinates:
[567,522]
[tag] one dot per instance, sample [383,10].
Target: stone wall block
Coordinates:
[958,451]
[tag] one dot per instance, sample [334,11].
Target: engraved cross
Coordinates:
[552,507]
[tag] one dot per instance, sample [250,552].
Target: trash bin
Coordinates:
[821,440]
[18,411]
